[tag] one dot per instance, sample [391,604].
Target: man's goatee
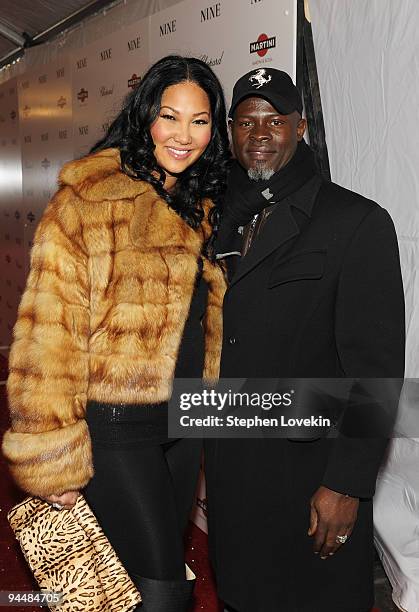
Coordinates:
[260,173]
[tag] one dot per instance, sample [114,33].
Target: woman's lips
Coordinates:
[178,153]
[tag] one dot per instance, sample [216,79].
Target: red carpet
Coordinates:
[15,575]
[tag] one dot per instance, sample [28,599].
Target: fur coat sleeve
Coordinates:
[48,445]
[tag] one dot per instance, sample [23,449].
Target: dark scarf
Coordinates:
[245,198]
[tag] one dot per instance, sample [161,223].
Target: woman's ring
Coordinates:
[57,505]
[341,539]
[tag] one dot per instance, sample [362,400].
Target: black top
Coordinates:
[124,425]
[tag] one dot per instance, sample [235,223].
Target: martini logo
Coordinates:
[44,137]
[27,139]
[61,102]
[133,81]
[26,111]
[82,95]
[43,78]
[60,73]
[62,134]
[263,44]
[25,84]
[83,130]
[105,126]
[30,217]
[45,163]
[13,114]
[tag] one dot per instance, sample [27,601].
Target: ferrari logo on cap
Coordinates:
[258,78]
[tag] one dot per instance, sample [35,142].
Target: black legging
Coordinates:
[142,498]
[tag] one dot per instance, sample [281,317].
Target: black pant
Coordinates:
[142,498]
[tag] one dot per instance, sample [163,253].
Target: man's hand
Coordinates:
[331,514]
[67,500]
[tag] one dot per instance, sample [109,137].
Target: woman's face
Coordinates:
[182,129]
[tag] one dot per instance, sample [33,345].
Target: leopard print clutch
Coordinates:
[68,553]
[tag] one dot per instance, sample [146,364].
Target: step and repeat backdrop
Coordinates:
[55,112]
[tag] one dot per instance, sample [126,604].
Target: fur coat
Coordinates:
[112,276]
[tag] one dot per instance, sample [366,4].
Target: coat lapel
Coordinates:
[279,229]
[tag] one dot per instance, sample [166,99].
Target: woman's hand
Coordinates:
[67,500]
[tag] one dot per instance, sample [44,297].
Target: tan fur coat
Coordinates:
[112,275]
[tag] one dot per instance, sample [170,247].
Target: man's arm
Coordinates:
[370,338]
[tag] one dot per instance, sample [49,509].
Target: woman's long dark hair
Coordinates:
[130,133]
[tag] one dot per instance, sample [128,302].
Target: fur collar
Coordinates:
[98,178]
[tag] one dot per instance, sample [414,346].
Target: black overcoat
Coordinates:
[319,294]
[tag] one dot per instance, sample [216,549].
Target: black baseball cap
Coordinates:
[274,85]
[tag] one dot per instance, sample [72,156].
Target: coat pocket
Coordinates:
[303,265]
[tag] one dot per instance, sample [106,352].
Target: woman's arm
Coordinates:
[48,445]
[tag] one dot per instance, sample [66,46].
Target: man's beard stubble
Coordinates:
[260,172]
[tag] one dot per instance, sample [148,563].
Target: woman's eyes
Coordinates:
[173,118]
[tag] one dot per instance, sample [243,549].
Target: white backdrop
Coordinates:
[367,58]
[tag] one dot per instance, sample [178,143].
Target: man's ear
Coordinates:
[301,128]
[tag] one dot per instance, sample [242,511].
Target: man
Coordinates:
[315,291]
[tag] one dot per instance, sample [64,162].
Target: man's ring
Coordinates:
[57,506]
[341,539]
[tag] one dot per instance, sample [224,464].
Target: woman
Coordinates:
[121,277]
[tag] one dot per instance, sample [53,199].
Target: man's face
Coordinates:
[264,141]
